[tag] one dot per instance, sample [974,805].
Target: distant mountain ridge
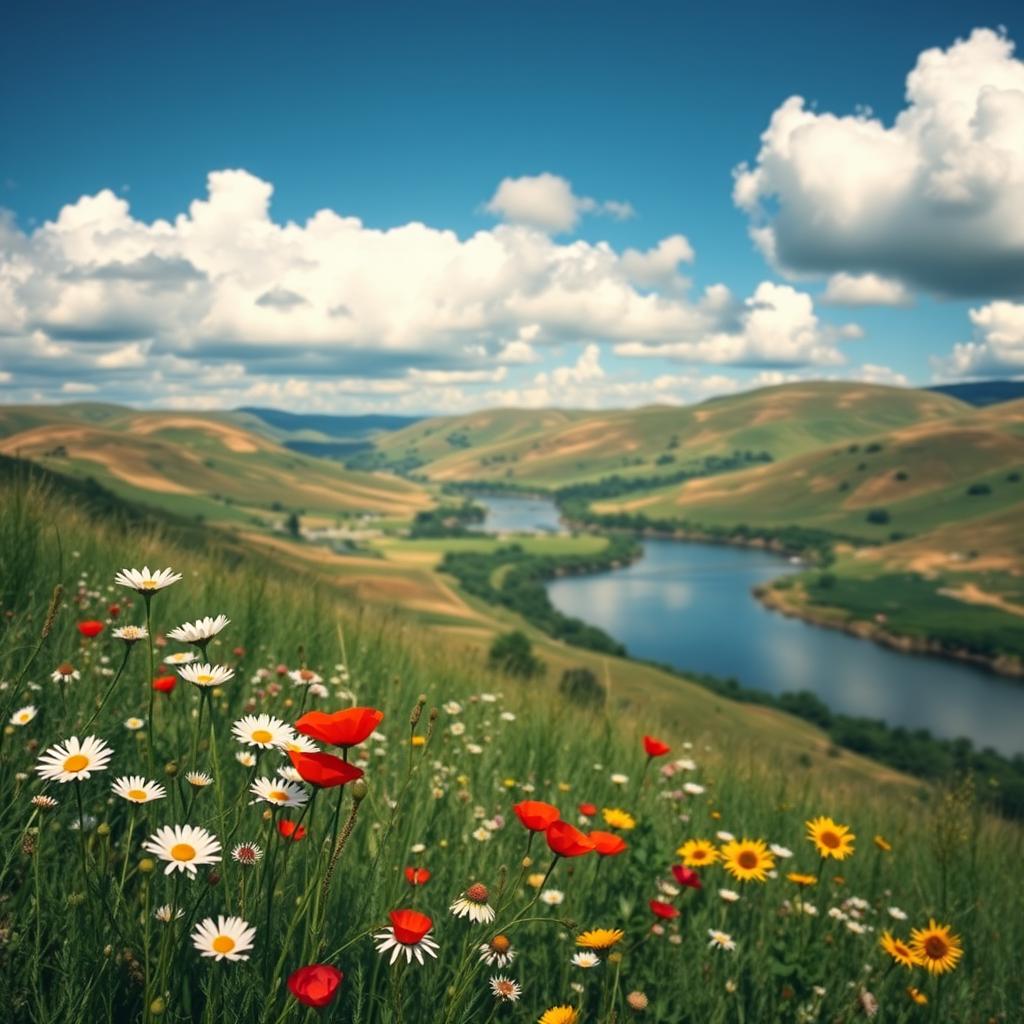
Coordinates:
[983,392]
[330,424]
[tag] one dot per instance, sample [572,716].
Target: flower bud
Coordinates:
[171,769]
[103,829]
[359,790]
[157,1007]
[146,865]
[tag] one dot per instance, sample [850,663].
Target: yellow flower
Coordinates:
[600,938]
[747,859]
[716,815]
[535,881]
[615,817]
[830,839]
[509,783]
[917,996]
[883,844]
[937,948]
[418,741]
[899,951]
[564,787]
[798,879]
[698,853]
[559,1015]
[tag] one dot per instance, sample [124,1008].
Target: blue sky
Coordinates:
[401,113]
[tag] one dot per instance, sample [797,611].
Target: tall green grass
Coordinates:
[79,942]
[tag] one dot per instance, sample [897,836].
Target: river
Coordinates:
[690,605]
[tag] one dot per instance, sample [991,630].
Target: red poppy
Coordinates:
[90,628]
[315,985]
[324,770]
[655,748]
[535,814]
[417,876]
[409,926]
[113,610]
[662,910]
[686,876]
[567,841]
[588,809]
[607,844]
[164,684]
[239,652]
[346,728]
[290,830]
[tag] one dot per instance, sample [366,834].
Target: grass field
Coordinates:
[83,939]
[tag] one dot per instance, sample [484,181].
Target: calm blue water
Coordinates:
[518,514]
[690,605]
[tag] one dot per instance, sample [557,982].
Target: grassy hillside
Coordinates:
[82,942]
[551,449]
[198,464]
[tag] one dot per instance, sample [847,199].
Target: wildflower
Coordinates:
[552,897]
[90,628]
[782,852]
[206,675]
[409,934]
[536,815]
[278,792]
[856,927]
[130,634]
[347,728]
[167,913]
[587,810]
[263,731]
[917,996]
[417,876]
[324,770]
[133,724]
[146,582]
[290,830]
[600,938]
[663,910]
[200,632]
[452,707]
[615,817]
[300,744]
[798,879]
[896,914]
[747,860]
[686,876]
[473,904]
[655,748]
[229,938]
[559,1015]
[179,658]
[936,947]
[721,940]
[165,684]
[457,728]
[304,677]
[315,985]
[24,715]
[693,788]
[868,1004]
[65,672]
[505,989]
[565,840]
[184,847]
[247,854]
[498,951]
[728,895]
[585,960]
[44,802]
[830,839]
[636,1001]
[607,844]
[481,835]
[198,779]
[245,759]
[137,790]
[72,761]
[698,853]
[618,779]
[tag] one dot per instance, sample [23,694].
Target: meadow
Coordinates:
[408,837]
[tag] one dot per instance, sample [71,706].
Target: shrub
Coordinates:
[979,490]
[878,516]
[581,686]
[513,653]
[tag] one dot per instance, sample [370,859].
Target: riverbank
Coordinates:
[793,602]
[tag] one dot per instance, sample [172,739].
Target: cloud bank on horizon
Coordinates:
[223,306]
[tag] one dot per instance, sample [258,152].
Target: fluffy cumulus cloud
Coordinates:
[933,201]
[864,290]
[997,347]
[224,305]
[547,202]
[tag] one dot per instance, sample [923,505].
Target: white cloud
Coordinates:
[659,267]
[997,348]
[864,290]
[934,201]
[547,202]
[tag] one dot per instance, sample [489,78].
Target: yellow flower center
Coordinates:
[278,794]
[699,854]
[148,584]
[75,763]
[500,944]
[223,944]
[831,840]
[747,859]
[204,678]
[183,852]
[935,947]
[262,736]
[138,794]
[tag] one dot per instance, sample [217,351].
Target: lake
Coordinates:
[690,606]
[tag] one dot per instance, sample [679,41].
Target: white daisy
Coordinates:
[286,771]
[247,854]
[693,788]
[130,634]
[200,632]
[481,835]
[724,837]
[44,802]
[505,989]
[552,897]
[245,759]
[279,792]
[498,951]
[72,761]
[146,582]
[184,847]
[304,677]
[65,672]
[299,743]
[198,779]
[24,715]
[261,731]
[133,724]
[168,913]
[206,675]
[585,959]
[227,938]
[618,779]
[473,904]
[721,940]
[180,658]
[729,895]
[409,935]
[782,852]
[137,790]
[896,914]
[452,707]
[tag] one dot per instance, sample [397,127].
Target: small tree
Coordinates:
[513,653]
[878,516]
[293,526]
[581,686]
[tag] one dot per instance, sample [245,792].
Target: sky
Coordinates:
[436,207]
